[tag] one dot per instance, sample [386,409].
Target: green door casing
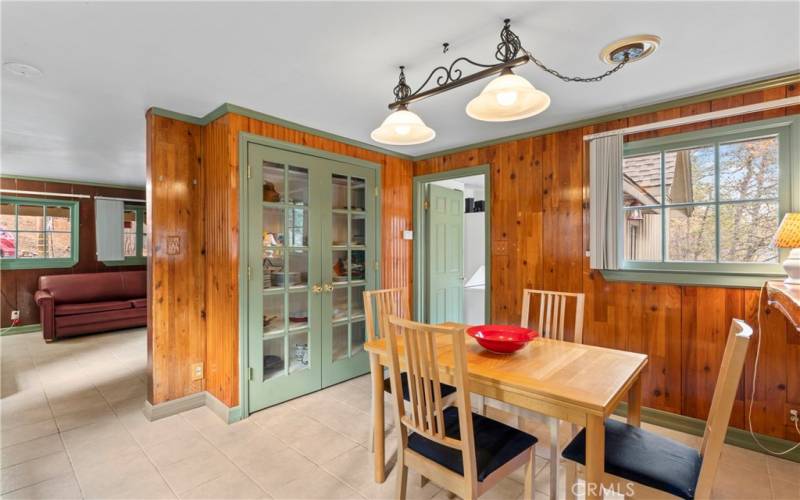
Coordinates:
[311,239]
[445,226]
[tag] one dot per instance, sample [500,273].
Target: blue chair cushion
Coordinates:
[495,444]
[645,458]
[387,386]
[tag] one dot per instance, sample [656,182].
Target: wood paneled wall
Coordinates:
[176,331]
[19,286]
[221,145]
[539,238]
[198,319]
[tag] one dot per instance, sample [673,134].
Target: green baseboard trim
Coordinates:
[16,330]
[696,427]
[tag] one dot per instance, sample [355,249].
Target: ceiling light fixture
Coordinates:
[22,69]
[506,98]
[402,127]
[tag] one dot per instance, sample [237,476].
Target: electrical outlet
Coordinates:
[794,415]
[14,315]
[197,371]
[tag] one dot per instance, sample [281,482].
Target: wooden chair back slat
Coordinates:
[553,308]
[387,302]
[416,345]
[719,415]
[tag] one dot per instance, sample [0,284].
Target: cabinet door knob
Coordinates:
[316,288]
[328,287]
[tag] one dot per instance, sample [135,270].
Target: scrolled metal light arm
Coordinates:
[507,53]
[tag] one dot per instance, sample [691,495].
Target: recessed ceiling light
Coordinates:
[635,47]
[22,69]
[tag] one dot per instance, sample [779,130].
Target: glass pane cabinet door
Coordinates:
[349,269]
[310,255]
[285,345]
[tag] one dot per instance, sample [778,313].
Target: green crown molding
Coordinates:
[257,115]
[67,181]
[742,88]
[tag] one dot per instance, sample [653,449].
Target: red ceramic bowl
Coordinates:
[502,339]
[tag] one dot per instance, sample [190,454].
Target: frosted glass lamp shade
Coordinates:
[403,128]
[506,98]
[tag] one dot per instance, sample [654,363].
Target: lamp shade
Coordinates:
[403,128]
[788,235]
[506,98]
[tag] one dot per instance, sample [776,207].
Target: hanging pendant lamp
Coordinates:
[403,128]
[506,98]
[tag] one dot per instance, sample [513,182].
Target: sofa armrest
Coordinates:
[42,296]
[44,299]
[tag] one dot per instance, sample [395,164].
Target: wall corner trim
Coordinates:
[173,407]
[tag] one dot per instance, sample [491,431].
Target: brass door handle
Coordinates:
[316,288]
[328,287]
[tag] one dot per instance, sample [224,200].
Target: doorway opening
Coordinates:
[452,270]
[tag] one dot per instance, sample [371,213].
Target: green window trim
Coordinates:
[787,129]
[16,263]
[140,259]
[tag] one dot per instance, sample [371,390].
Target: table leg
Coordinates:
[595,455]
[378,425]
[635,403]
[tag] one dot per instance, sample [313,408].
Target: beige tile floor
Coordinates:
[72,427]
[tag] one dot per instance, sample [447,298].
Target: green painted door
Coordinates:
[310,229]
[349,266]
[445,225]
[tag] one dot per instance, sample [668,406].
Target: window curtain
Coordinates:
[108,223]
[605,201]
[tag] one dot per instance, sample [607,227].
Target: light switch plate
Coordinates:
[408,235]
[197,371]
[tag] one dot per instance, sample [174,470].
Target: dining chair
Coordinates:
[550,322]
[461,451]
[389,302]
[638,462]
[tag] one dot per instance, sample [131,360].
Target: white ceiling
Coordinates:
[332,66]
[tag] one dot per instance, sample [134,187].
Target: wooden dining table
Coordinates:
[576,383]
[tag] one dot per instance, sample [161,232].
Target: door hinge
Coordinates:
[248,170]
[377,265]
[377,191]
[426,205]
[249,273]
[251,373]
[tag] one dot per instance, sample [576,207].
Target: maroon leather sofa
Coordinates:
[75,304]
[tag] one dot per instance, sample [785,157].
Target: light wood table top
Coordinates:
[590,377]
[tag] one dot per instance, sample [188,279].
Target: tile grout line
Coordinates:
[58,429]
[248,476]
[139,444]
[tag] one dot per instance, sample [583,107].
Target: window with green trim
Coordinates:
[38,233]
[708,201]
[134,234]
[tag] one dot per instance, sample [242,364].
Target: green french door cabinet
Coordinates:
[445,254]
[311,244]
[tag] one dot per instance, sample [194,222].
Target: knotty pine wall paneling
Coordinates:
[19,286]
[540,235]
[221,151]
[176,333]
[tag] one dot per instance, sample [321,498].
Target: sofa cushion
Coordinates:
[90,307]
[99,317]
[139,302]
